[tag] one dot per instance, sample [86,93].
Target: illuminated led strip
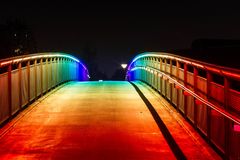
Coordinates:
[41,56]
[219,110]
[216,69]
[164,55]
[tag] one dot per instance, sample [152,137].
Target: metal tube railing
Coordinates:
[211,105]
[222,123]
[25,78]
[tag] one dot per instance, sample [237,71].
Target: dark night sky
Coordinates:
[120,30]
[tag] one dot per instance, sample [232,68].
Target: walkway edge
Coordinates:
[167,135]
[10,125]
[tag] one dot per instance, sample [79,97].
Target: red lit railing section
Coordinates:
[25,78]
[207,95]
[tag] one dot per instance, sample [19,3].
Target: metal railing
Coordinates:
[207,95]
[25,78]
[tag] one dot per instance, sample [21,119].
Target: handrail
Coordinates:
[219,110]
[202,84]
[28,77]
[17,59]
[226,71]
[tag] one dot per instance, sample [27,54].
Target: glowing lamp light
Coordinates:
[124,65]
[236,128]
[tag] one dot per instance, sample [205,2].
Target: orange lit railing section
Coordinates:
[25,78]
[207,95]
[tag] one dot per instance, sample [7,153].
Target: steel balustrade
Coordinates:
[25,78]
[207,95]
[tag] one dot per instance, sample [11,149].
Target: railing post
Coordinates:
[151,74]
[155,74]
[141,71]
[35,75]
[161,80]
[209,80]
[61,69]
[195,74]
[10,90]
[145,71]
[165,81]
[161,64]
[170,84]
[20,83]
[165,68]
[51,59]
[153,79]
[46,74]
[28,80]
[142,76]
[65,62]
[41,75]
[226,120]
[70,73]
[56,74]
[185,83]
[158,78]
[148,77]
[177,76]
[170,67]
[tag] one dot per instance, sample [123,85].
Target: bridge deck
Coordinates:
[99,120]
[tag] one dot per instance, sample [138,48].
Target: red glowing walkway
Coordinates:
[99,120]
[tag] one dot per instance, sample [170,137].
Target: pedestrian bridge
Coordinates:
[171,107]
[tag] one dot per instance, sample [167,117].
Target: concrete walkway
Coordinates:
[98,120]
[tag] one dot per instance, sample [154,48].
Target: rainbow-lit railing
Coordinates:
[25,78]
[207,95]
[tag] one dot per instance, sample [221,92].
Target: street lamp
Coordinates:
[124,65]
